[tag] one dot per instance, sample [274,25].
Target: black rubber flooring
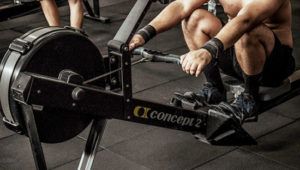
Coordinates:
[133,146]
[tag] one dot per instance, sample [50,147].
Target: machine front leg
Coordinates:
[32,132]
[92,144]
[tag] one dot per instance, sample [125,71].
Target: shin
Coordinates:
[200,27]
[251,51]
[76,13]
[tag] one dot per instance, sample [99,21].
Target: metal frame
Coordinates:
[36,147]
[92,143]
[94,13]
[16,9]
[210,127]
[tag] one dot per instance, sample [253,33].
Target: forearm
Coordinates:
[230,34]
[234,30]
[251,15]
[174,13]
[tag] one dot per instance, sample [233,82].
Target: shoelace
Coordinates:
[227,109]
[242,102]
[238,108]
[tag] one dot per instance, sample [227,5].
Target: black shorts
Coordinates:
[278,66]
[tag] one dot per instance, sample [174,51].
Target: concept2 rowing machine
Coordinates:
[54,82]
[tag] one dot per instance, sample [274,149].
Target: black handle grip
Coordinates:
[168,59]
[156,56]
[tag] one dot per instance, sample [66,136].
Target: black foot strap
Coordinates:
[227,109]
[188,100]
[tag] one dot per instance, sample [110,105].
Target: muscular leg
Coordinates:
[253,48]
[76,10]
[51,12]
[200,27]
[251,52]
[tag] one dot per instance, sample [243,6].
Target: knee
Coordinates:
[202,21]
[194,19]
[251,38]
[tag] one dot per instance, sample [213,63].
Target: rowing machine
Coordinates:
[51,88]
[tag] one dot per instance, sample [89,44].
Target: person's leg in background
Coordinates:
[51,12]
[52,15]
[76,13]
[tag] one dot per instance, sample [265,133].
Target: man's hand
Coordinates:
[194,62]
[136,41]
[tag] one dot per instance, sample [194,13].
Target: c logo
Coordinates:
[141,112]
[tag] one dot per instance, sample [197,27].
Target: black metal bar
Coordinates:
[94,13]
[115,49]
[88,8]
[132,21]
[126,80]
[119,45]
[92,144]
[15,10]
[52,92]
[59,94]
[96,7]
[32,132]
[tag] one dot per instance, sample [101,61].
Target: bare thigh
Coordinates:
[253,48]
[200,27]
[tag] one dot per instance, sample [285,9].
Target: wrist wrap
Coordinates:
[215,47]
[148,32]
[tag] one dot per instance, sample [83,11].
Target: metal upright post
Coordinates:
[96,5]
[94,13]
[92,144]
[32,132]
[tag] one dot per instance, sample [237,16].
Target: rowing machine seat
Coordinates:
[266,93]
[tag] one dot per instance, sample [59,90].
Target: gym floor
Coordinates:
[133,146]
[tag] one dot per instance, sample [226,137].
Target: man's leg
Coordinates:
[200,27]
[76,13]
[251,52]
[51,12]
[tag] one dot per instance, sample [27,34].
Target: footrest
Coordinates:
[223,130]
[182,100]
